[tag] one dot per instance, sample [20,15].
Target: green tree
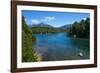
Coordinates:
[80,29]
[28,53]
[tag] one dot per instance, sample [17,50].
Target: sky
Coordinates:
[55,19]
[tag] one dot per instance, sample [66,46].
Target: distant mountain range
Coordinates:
[66,26]
[47,25]
[41,25]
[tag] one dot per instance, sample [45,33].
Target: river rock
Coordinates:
[80,54]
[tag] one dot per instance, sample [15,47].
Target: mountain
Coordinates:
[47,25]
[66,26]
[41,25]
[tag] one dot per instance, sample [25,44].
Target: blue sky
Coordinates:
[55,19]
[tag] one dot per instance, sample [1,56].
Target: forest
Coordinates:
[80,29]
[28,52]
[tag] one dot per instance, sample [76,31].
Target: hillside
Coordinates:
[77,29]
[45,28]
[67,26]
[28,53]
[41,25]
[80,29]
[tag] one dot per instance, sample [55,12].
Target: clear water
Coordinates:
[54,47]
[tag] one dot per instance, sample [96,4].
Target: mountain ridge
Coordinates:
[47,25]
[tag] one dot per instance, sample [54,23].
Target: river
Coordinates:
[59,46]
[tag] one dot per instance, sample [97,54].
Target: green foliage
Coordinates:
[80,29]
[28,53]
[46,30]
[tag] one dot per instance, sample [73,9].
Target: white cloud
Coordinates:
[45,19]
[49,18]
[35,21]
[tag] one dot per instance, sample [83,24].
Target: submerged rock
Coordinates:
[80,54]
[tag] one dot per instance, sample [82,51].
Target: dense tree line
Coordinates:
[28,53]
[80,29]
[77,29]
[44,30]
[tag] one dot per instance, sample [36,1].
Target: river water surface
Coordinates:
[54,47]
